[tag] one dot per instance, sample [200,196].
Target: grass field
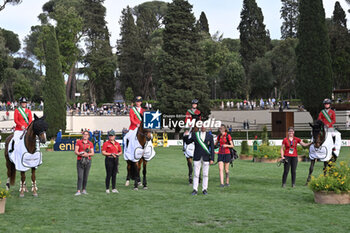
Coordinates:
[255,201]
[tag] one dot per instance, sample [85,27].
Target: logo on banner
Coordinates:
[152,120]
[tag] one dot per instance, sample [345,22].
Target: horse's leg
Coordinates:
[311,169]
[22,185]
[190,170]
[325,165]
[34,187]
[136,175]
[128,176]
[139,164]
[144,172]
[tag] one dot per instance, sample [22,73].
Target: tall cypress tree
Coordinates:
[255,40]
[203,23]
[129,53]
[339,47]
[54,90]
[314,70]
[181,67]
[290,16]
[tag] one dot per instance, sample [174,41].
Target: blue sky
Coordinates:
[223,15]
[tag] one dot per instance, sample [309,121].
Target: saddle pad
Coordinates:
[189,150]
[32,160]
[324,153]
[134,151]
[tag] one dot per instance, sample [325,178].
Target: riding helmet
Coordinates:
[23,100]
[327,101]
[138,99]
[195,101]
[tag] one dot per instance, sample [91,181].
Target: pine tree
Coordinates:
[255,40]
[339,47]
[54,89]
[290,15]
[203,23]
[314,70]
[129,53]
[182,69]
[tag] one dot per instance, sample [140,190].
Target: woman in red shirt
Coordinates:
[225,142]
[84,149]
[112,150]
[289,153]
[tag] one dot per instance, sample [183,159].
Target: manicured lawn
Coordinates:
[254,202]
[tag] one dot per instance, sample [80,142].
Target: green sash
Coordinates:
[137,113]
[202,143]
[325,114]
[191,112]
[24,114]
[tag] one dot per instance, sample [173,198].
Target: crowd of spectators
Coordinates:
[10,106]
[108,109]
[262,104]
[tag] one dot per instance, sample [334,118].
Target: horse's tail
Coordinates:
[11,169]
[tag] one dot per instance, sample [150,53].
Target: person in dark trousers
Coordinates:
[203,156]
[112,150]
[289,154]
[84,149]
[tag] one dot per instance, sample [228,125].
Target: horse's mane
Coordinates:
[39,125]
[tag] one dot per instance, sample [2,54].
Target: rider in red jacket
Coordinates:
[193,113]
[327,115]
[22,118]
[136,114]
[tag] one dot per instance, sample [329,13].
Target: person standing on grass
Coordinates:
[84,150]
[203,155]
[289,154]
[112,150]
[225,142]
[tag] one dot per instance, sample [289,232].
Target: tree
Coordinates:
[339,47]
[203,23]
[255,40]
[290,16]
[129,53]
[12,2]
[181,65]
[54,89]
[11,40]
[314,69]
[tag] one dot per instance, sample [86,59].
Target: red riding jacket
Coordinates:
[19,120]
[134,120]
[189,115]
[331,114]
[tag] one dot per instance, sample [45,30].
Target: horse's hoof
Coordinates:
[35,195]
[145,188]
[7,187]
[127,183]
[139,184]
[21,195]
[306,184]
[136,189]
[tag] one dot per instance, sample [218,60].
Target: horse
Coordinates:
[190,159]
[319,136]
[38,127]
[144,137]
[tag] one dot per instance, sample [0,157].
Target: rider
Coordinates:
[327,115]
[23,118]
[193,113]
[135,115]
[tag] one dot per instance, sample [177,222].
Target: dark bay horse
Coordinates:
[38,127]
[144,137]
[319,136]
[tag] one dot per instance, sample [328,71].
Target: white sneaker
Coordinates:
[115,191]
[84,192]
[107,191]
[77,194]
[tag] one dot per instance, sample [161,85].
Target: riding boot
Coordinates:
[12,147]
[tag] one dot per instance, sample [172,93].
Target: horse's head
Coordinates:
[318,133]
[146,133]
[40,127]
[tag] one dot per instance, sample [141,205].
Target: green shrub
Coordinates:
[337,179]
[264,136]
[270,152]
